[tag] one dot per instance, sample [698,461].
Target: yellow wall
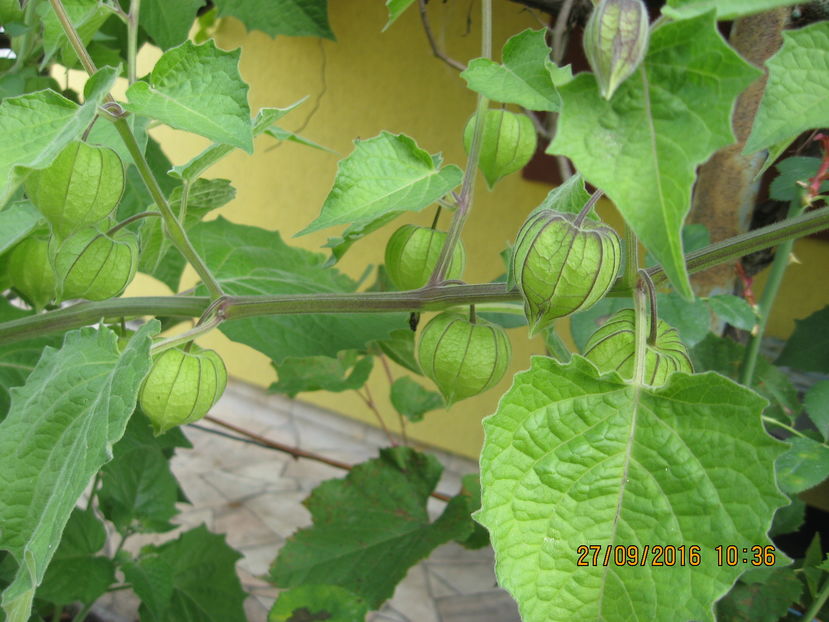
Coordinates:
[366,82]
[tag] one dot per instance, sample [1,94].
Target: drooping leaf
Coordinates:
[348,371]
[37,126]
[383,177]
[197,88]
[371,527]
[75,572]
[726,357]
[253,261]
[396,9]
[796,91]
[399,347]
[817,406]
[412,400]
[726,9]
[803,466]
[17,360]
[575,459]
[17,221]
[201,582]
[645,143]
[168,23]
[138,490]
[294,18]
[57,435]
[318,602]
[766,601]
[808,347]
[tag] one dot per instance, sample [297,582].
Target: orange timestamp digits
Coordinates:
[633,555]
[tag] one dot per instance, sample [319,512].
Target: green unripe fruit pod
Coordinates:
[507,145]
[31,273]
[94,265]
[611,347]
[412,253]
[561,265]
[615,41]
[461,357]
[80,188]
[182,387]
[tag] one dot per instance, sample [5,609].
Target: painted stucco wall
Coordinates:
[366,82]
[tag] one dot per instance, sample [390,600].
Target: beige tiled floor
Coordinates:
[253,495]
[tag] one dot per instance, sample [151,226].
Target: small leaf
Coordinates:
[197,88]
[575,459]
[527,76]
[734,310]
[817,406]
[792,170]
[803,466]
[766,601]
[396,9]
[57,435]
[384,175]
[37,126]
[320,373]
[17,221]
[199,566]
[796,92]
[412,400]
[691,318]
[294,18]
[168,23]
[479,538]
[371,527]
[726,9]
[808,347]
[307,603]
[643,147]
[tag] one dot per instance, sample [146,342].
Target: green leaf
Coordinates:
[471,489]
[575,459]
[808,347]
[734,310]
[726,357]
[346,372]
[371,527]
[57,435]
[796,93]
[200,568]
[294,18]
[507,144]
[168,23]
[726,9]
[399,347]
[17,360]
[792,170]
[197,88]
[10,11]
[691,318]
[804,466]
[396,9]
[643,146]
[412,400]
[383,176]
[281,134]
[789,518]
[139,491]
[37,126]
[318,602]
[17,221]
[766,601]
[86,15]
[75,572]
[527,76]
[253,261]
[817,406]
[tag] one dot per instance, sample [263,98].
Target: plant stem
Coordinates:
[631,258]
[130,220]
[640,332]
[780,424]
[369,401]
[81,615]
[588,207]
[187,336]
[427,28]
[654,317]
[74,38]
[465,197]
[773,283]
[818,602]
[132,38]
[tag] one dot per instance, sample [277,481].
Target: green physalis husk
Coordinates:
[31,273]
[182,387]
[80,188]
[412,253]
[611,348]
[508,143]
[615,41]
[463,358]
[562,266]
[95,265]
